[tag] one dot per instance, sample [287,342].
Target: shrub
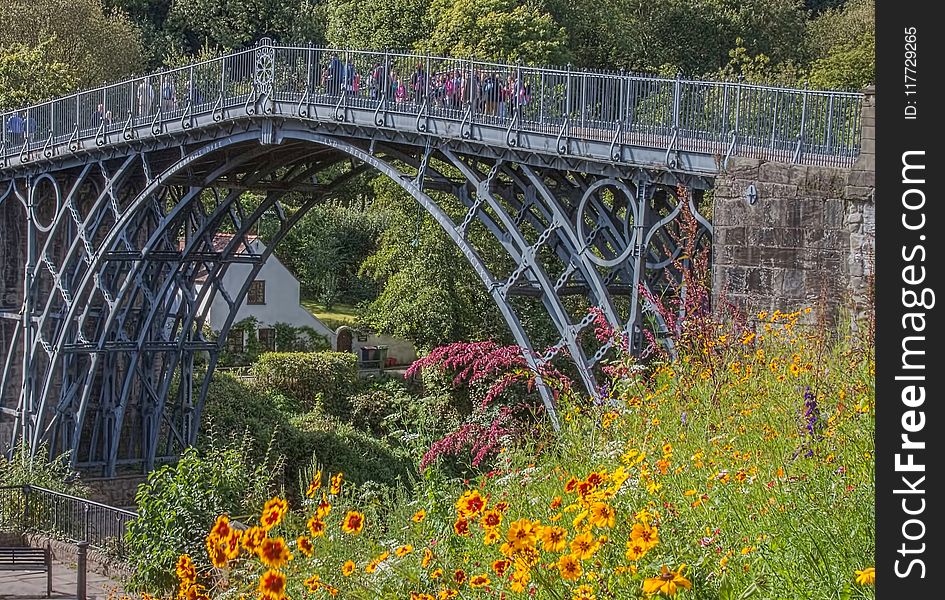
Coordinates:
[178,504]
[338,446]
[303,376]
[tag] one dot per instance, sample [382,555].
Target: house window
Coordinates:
[234,342]
[267,339]
[257,292]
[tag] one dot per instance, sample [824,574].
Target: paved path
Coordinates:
[23,585]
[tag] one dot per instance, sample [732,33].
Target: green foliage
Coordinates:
[29,75]
[431,295]
[42,471]
[234,25]
[375,24]
[844,43]
[310,378]
[95,44]
[178,503]
[495,30]
[326,248]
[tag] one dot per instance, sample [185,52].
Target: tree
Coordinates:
[233,25]
[375,24]
[495,30]
[30,75]
[96,45]
[843,42]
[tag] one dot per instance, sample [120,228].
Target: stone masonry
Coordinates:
[808,239]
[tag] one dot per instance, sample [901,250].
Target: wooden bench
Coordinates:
[28,559]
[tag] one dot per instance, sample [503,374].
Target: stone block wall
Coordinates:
[807,240]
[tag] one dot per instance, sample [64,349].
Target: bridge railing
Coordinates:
[32,508]
[675,114]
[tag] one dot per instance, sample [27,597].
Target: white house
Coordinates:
[273,297]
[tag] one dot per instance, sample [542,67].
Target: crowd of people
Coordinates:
[489,92]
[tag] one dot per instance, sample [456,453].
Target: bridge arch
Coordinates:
[137,351]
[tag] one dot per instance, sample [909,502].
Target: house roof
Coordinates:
[219,243]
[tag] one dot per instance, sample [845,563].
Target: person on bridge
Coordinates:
[168,95]
[418,84]
[145,97]
[15,128]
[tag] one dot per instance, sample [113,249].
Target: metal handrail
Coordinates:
[723,118]
[65,516]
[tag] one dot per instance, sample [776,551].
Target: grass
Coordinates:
[338,315]
[742,470]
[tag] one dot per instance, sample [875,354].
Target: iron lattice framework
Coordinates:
[566,201]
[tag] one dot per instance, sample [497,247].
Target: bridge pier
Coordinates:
[792,235]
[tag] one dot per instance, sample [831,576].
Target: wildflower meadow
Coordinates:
[741,467]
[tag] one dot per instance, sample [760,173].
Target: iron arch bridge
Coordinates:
[110,199]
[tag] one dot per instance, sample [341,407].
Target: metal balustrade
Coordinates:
[32,508]
[717,118]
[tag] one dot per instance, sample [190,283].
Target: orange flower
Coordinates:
[556,503]
[571,485]
[459,576]
[216,552]
[273,552]
[348,568]
[500,566]
[314,485]
[569,567]
[636,550]
[353,522]
[419,516]
[273,511]
[305,546]
[316,526]
[461,527]
[479,581]
[667,583]
[272,585]
[470,504]
[336,483]
[501,506]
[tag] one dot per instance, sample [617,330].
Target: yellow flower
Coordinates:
[491,519]
[522,534]
[272,585]
[353,522]
[602,515]
[404,550]
[323,508]
[185,569]
[221,527]
[447,593]
[520,579]
[499,566]
[314,484]
[636,550]
[348,568]
[316,526]
[569,567]
[470,504]
[583,546]
[313,583]
[583,592]
[554,538]
[273,552]
[491,536]
[645,534]
[667,583]
[461,526]
[419,516]
[305,546]
[252,537]
[867,576]
[273,511]
[478,581]
[336,483]
[427,558]
[436,573]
